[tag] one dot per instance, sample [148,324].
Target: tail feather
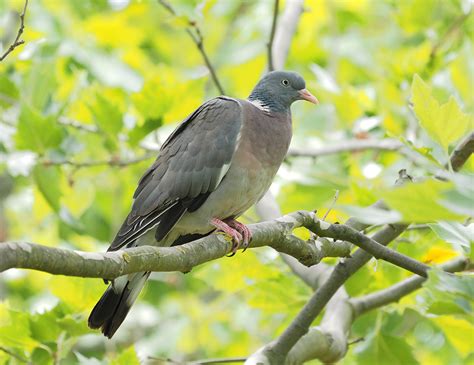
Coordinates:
[112,308]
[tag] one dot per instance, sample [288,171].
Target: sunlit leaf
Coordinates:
[371,215]
[15,327]
[384,349]
[447,293]
[126,357]
[37,133]
[455,233]
[8,91]
[419,202]
[47,180]
[445,123]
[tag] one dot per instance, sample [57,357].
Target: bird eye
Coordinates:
[285,82]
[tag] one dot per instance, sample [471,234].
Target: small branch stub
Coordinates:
[17,42]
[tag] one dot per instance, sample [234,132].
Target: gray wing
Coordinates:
[191,164]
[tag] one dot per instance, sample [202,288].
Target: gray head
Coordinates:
[277,90]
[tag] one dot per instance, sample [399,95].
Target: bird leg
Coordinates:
[239,233]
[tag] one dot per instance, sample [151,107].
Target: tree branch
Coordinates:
[288,23]
[116,162]
[278,351]
[346,233]
[272,36]
[78,125]
[17,42]
[347,146]
[276,234]
[462,152]
[394,293]
[458,22]
[198,40]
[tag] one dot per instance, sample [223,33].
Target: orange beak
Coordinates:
[306,95]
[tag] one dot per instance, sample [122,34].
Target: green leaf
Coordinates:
[39,85]
[446,123]
[108,118]
[371,215]
[79,294]
[423,151]
[15,329]
[447,293]
[146,102]
[140,132]
[384,349]
[419,202]
[241,273]
[41,356]
[126,357]
[83,360]
[459,201]
[8,91]
[36,132]
[454,232]
[48,181]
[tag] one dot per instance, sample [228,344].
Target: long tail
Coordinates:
[112,308]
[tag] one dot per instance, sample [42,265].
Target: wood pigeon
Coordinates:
[215,165]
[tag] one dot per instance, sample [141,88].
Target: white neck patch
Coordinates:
[260,105]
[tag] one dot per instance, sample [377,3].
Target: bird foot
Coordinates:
[243,230]
[238,232]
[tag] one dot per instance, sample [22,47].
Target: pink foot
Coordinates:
[243,230]
[239,233]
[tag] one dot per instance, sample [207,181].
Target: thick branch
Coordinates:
[272,36]
[198,40]
[17,42]
[276,234]
[278,351]
[347,146]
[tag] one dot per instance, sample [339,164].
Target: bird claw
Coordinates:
[244,231]
[238,232]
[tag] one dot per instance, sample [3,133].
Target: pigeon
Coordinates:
[214,166]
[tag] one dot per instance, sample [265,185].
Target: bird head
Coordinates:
[277,90]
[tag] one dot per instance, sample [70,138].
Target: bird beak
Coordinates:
[306,95]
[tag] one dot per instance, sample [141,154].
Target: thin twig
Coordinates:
[12,354]
[397,291]
[347,146]
[110,162]
[198,40]
[272,36]
[454,27]
[334,200]
[67,122]
[357,340]
[17,42]
[224,360]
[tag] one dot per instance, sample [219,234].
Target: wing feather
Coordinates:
[191,164]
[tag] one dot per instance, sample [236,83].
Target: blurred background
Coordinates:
[98,85]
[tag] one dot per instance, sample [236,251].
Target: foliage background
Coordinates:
[125,69]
